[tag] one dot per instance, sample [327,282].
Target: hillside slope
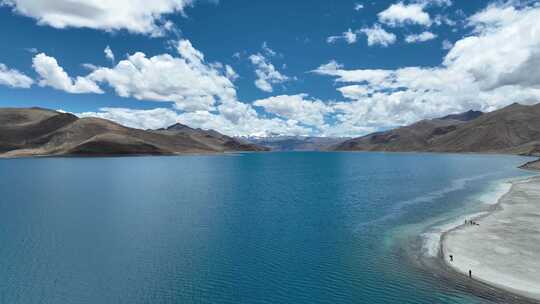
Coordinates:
[211,138]
[30,132]
[514,129]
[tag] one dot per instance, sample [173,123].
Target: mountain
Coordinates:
[514,129]
[465,116]
[35,131]
[211,138]
[297,143]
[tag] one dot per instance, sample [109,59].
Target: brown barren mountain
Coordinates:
[514,129]
[37,132]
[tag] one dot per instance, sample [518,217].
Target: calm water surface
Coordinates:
[247,228]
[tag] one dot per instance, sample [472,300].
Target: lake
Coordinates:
[240,228]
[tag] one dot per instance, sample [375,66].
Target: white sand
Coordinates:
[504,250]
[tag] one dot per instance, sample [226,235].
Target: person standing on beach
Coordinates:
[470,273]
[451,258]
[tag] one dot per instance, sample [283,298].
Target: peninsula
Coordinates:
[501,248]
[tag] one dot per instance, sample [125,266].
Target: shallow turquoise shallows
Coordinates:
[244,228]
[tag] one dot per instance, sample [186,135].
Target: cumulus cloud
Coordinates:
[358,6]
[349,36]
[203,95]
[53,75]
[493,17]
[424,36]
[139,119]
[187,80]
[401,14]
[137,16]
[296,107]
[248,125]
[376,35]
[266,72]
[13,78]
[486,71]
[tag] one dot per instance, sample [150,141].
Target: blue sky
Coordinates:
[333,68]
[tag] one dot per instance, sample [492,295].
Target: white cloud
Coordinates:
[349,36]
[249,124]
[296,107]
[358,6]
[489,70]
[13,78]
[506,52]
[493,17]
[109,54]
[335,69]
[401,14]
[53,75]
[376,35]
[424,36]
[266,72]
[231,73]
[354,91]
[188,80]
[137,16]
[443,19]
[446,44]
[139,119]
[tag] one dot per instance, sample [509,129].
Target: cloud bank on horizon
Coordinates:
[495,62]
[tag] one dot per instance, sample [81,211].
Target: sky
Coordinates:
[264,68]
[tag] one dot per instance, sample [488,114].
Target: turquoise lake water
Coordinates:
[243,228]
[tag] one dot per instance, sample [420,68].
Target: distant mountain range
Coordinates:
[36,132]
[514,129]
[297,143]
[32,132]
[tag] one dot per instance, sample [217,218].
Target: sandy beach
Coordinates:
[503,248]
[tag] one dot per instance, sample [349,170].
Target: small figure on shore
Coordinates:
[451,258]
[470,273]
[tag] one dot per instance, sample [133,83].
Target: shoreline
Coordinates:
[98,156]
[533,165]
[497,257]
